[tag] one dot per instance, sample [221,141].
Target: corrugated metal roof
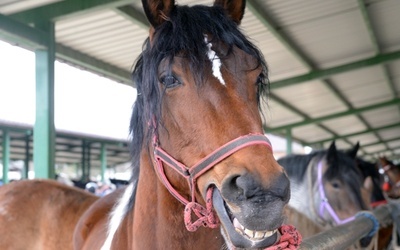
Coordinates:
[301,41]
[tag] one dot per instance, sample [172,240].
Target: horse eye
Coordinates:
[335,184]
[169,81]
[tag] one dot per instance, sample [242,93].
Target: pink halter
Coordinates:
[206,215]
[324,200]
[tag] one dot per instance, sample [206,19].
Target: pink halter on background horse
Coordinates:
[204,176]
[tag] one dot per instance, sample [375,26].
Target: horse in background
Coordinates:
[327,187]
[40,214]
[369,170]
[390,174]
[378,197]
[198,140]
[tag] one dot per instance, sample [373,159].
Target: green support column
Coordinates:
[289,141]
[6,155]
[44,130]
[103,161]
[25,171]
[83,161]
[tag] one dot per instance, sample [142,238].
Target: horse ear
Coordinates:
[353,152]
[332,153]
[235,8]
[157,11]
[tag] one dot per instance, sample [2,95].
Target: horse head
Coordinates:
[200,83]
[390,177]
[344,186]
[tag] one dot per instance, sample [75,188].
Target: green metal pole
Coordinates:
[25,171]
[83,161]
[289,149]
[44,130]
[6,155]
[103,161]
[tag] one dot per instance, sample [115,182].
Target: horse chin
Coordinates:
[237,236]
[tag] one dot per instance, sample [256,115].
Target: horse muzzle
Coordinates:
[238,234]
[250,214]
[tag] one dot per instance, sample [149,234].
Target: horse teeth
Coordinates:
[237,224]
[251,234]
[270,233]
[259,235]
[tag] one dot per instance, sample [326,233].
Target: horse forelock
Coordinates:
[181,35]
[346,170]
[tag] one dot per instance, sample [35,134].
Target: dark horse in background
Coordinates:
[204,176]
[327,187]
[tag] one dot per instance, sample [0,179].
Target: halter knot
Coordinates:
[290,239]
[206,215]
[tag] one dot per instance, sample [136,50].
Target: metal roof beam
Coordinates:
[59,10]
[380,152]
[260,13]
[379,142]
[333,116]
[134,15]
[33,38]
[21,34]
[93,65]
[326,73]
[395,125]
[295,50]
[377,49]
[297,111]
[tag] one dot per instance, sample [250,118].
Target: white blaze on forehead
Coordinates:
[216,62]
[117,215]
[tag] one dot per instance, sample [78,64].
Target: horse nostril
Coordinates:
[247,187]
[281,187]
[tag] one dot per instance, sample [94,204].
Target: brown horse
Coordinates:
[200,156]
[40,214]
[204,176]
[390,177]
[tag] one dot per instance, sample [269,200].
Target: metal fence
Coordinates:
[344,236]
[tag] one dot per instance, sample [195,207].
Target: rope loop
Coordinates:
[206,215]
[290,239]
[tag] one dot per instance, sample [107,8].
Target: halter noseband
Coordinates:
[206,215]
[324,200]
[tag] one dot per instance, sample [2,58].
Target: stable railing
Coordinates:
[344,236]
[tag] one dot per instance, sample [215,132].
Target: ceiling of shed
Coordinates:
[334,65]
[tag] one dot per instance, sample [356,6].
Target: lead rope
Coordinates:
[290,239]
[206,216]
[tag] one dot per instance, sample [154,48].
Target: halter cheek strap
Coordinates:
[206,215]
[324,201]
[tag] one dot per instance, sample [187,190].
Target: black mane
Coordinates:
[296,164]
[342,166]
[181,35]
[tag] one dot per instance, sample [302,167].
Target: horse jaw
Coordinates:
[235,235]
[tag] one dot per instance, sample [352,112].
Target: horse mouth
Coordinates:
[235,233]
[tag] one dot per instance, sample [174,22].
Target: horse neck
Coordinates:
[394,174]
[158,217]
[304,194]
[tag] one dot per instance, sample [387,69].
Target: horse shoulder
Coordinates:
[91,229]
